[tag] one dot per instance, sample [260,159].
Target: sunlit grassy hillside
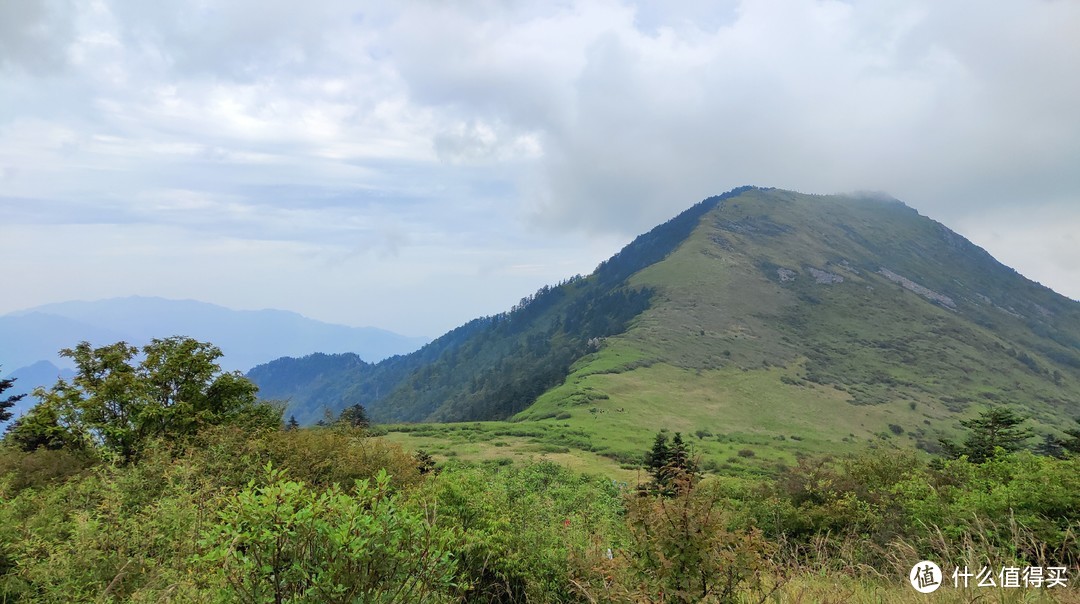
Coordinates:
[762,324]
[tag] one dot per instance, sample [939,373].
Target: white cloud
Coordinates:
[379,140]
[1040,242]
[930,102]
[33,34]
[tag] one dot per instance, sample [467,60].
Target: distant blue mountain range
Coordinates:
[41,373]
[30,339]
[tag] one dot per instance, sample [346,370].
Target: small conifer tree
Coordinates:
[996,428]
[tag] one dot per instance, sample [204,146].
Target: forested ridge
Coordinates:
[491,367]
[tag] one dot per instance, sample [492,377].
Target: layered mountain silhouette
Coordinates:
[42,373]
[759,310]
[30,339]
[246,337]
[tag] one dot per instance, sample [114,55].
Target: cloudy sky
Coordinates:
[412,165]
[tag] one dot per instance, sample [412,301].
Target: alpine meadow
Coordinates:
[527,302]
[759,320]
[771,397]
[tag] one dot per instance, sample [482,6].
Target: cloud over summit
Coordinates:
[538,134]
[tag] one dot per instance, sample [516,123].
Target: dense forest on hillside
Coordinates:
[491,367]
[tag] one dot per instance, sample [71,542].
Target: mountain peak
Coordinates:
[848,305]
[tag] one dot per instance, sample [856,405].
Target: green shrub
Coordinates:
[286,542]
[678,548]
[521,525]
[112,532]
[317,456]
[995,500]
[40,467]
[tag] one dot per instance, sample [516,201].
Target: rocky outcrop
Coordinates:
[911,286]
[824,277]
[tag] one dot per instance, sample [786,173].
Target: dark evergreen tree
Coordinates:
[659,455]
[950,450]
[671,465]
[7,403]
[1072,444]
[354,416]
[996,428]
[678,456]
[1050,447]
[293,424]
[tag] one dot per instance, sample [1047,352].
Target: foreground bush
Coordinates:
[284,542]
[185,523]
[1022,507]
[319,457]
[858,512]
[71,531]
[519,528]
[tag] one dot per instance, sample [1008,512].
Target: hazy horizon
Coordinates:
[414,166]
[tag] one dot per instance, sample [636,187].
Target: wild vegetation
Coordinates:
[332,515]
[230,507]
[115,405]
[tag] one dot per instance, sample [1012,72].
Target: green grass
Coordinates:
[775,369]
[722,306]
[753,409]
[604,422]
[509,442]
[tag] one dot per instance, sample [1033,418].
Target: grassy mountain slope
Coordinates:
[829,319]
[776,323]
